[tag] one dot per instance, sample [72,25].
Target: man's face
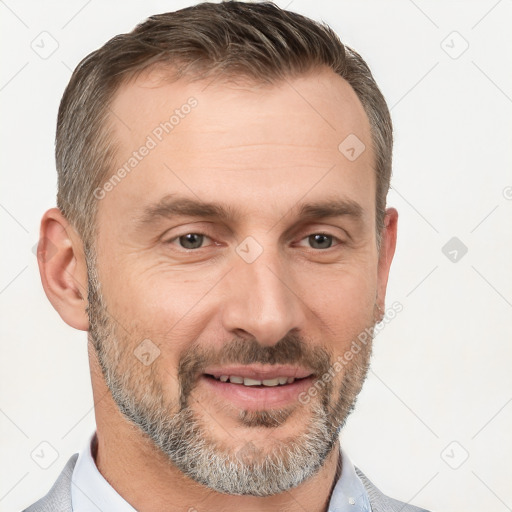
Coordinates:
[202,320]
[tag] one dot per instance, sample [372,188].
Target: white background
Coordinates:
[442,368]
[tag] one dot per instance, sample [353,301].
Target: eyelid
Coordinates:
[175,238]
[196,228]
[338,240]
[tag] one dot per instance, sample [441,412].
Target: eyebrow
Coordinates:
[175,206]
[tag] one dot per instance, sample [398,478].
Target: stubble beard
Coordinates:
[184,437]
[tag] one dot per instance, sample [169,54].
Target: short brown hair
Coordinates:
[259,41]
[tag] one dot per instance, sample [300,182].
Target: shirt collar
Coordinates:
[349,493]
[90,492]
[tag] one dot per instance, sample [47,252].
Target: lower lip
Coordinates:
[258,398]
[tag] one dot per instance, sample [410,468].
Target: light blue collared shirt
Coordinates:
[90,492]
[349,493]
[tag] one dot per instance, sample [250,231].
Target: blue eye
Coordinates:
[194,241]
[190,240]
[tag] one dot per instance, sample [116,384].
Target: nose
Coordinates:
[262,300]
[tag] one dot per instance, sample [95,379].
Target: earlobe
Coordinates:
[63,270]
[386,253]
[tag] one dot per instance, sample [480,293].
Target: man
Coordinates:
[222,235]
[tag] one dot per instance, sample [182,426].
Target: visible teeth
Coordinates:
[251,382]
[278,381]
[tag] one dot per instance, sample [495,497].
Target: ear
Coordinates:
[386,253]
[61,261]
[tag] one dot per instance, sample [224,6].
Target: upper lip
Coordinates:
[259,372]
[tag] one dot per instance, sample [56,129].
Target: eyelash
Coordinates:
[335,239]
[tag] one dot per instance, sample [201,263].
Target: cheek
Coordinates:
[173,306]
[156,294]
[344,306]
[162,305]
[344,296]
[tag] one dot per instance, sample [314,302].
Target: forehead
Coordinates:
[249,145]
[321,97]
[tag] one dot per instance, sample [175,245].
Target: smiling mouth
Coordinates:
[257,386]
[246,381]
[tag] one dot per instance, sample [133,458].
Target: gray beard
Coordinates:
[184,438]
[247,471]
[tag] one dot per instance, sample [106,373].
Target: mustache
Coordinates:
[291,349]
